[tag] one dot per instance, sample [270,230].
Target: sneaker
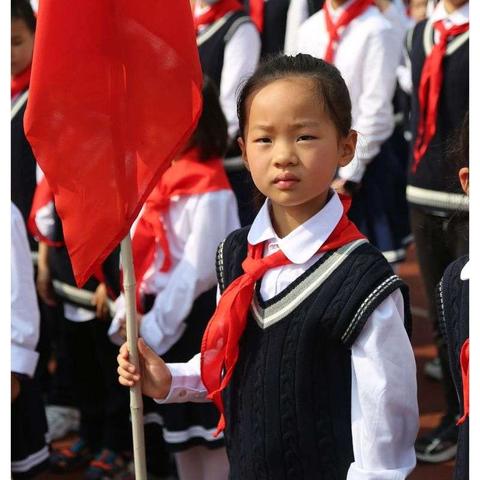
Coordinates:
[108,465]
[70,458]
[440,445]
[61,421]
[433,369]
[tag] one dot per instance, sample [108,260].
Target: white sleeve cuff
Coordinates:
[357,473]
[186,387]
[23,360]
[115,325]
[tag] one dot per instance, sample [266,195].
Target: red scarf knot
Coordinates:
[430,87]
[216,12]
[350,13]
[220,343]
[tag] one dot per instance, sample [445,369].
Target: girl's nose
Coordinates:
[285,156]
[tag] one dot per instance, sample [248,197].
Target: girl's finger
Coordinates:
[126,365]
[128,375]
[126,383]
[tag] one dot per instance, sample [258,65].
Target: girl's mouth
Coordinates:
[285,181]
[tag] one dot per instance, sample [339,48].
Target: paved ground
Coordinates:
[429,392]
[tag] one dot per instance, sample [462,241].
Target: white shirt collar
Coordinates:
[302,243]
[465,273]
[457,17]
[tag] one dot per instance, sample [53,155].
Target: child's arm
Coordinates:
[166,383]
[384,396]
[25,320]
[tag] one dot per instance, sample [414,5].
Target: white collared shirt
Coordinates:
[25,321]
[367,55]
[384,392]
[457,17]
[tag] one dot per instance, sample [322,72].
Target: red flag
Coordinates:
[115,92]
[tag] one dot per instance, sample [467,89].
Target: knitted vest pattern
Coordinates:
[288,404]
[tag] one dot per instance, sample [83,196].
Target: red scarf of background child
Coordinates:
[20,82]
[186,176]
[220,344]
[350,13]
[216,11]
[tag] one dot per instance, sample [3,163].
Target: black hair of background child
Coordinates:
[22,10]
[211,134]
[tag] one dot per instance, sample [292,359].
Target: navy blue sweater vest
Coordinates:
[274,25]
[288,406]
[436,170]
[211,43]
[453,304]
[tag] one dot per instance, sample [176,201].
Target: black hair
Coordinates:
[22,10]
[330,86]
[211,134]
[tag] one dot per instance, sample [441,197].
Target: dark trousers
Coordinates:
[439,241]
[103,402]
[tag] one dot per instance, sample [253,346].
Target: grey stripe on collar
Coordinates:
[212,29]
[453,46]
[278,310]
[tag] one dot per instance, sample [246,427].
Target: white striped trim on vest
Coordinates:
[454,45]
[19,103]
[434,198]
[189,433]
[274,313]
[31,461]
[212,29]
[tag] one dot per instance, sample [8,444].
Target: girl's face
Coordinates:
[22,46]
[291,147]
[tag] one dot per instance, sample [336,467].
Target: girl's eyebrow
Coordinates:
[297,125]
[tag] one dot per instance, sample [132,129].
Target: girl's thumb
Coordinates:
[145,350]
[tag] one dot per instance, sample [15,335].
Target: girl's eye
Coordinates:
[262,140]
[305,138]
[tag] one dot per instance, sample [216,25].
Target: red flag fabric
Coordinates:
[465,367]
[115,92]
[220,343]
[187,176]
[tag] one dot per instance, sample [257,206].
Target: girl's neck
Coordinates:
[286,219]
[337,3]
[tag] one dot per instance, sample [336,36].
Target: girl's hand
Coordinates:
[15,387]
[155,377]
[100,300]
[45,286]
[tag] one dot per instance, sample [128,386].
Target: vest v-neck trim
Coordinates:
[212,29]
[267,313]
[453,46]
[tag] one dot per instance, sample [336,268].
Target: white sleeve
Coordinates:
[296,15]
[187,383]
[212,216]
[375,121]
[240,59]
[25,323]
[384,397]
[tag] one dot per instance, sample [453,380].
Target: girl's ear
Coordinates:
[464,176]
[241,144]
[347,148]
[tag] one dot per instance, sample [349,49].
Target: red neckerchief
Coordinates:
[216,11]
[465,367]
[187,176]
[20,82]
[350,13]
[256,13]
[429,89]
[220,342]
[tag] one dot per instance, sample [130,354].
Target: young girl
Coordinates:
[307,356]
[174,243]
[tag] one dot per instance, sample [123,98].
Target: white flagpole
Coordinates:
[136,402]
